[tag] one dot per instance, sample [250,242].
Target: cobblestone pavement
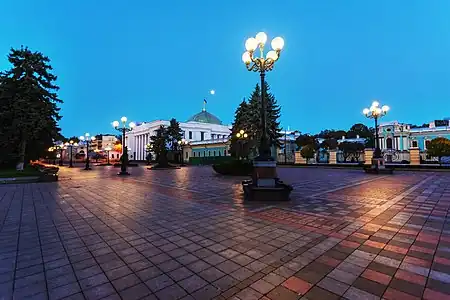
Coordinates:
[187,234]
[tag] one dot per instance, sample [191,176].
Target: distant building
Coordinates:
[104,141]
[200,130]
[401,136]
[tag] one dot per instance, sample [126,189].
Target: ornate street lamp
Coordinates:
[375,112]
[182,143]
[51,150]
[262,65]
[70,146]
[107,153]
[87,139]
[124,129]
[264,184]
[241,136]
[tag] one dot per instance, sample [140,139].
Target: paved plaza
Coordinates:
[188,234]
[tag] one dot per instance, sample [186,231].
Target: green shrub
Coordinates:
[234,168]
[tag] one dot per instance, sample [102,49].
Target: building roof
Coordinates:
[205,117]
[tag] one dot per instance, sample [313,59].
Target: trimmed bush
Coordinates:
[234,168]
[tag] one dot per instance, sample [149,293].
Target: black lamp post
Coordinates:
[262,65]
[182,143]
[60,148]
[148,150]
[376,112]
[124,129]
[87,139]
[241,136]
[70,146]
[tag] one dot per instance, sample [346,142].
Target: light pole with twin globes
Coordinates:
[124,128]
[87,139]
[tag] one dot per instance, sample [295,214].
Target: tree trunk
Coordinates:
[22,148]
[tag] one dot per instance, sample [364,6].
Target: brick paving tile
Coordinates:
[317,293]
[393,294]
[339,236]
[430,294]
[297,285]
[283,293]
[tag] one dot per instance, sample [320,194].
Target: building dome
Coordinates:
[205,117]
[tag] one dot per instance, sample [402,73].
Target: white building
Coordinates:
[200,127]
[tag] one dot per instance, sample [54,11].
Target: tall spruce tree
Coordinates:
[241,122]
[28,106]
[174,134]
[273,114]
[159,143]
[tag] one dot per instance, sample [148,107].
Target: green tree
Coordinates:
[273,114]
[307,152]
[174,135]
[28,106]
[351,149]
[439,147]
[329,144]
[241,122]
[159,143]
[305,140]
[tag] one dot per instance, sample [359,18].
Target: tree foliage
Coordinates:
[439,147]
[329,144]
[305,140]
[351,149]
[159,143]
[174,135]
[29,111]
[307,152]
[248,118]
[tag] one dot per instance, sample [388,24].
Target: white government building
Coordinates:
[202,126]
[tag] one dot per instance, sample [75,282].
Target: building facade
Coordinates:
[396,139]
[202,129]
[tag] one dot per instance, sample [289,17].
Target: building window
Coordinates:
[204,153]
[220,153]
[213,136]
[427,142]
[225,152]
[190,135]
[202,136]
[209,153]
[187,155]
[214,153]
[389,143]
[414,144]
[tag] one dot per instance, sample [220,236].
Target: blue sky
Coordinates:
[158,59]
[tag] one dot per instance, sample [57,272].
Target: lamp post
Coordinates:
[262,65]
[375,112]
[87,139]
[70,146]
[241,135]
[60,148]
[107,153]
[124,129]
[182,143]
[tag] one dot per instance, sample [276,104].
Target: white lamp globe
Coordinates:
[87,134]
[272,55]
[375,103]
[251,44]
[261,37]
[115,124]
[132,125]
[93,138]
[246,57]
[277,44]
[385,108]
[123,119]
[81,138]
[366,111]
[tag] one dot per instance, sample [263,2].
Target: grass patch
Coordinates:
[11,173]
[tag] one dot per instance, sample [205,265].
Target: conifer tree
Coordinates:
[241,122]
[29,109]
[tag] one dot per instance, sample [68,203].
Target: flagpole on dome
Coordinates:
[204,104]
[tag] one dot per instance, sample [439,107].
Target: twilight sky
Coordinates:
[158,59]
